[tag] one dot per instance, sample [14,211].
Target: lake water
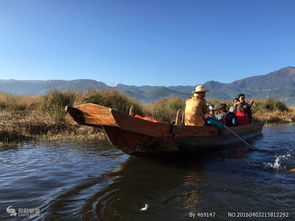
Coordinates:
[98,182]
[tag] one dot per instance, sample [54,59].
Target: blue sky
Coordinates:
[145,42]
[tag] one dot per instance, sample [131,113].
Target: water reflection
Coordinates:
[167,186]
[74,182]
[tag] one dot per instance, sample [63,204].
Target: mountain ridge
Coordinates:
[278,84]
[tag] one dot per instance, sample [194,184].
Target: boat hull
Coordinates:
[140,137]
[138,144]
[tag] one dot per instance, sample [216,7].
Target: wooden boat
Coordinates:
[141,137]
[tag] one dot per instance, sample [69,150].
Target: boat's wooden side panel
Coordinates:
[145,127]
[192,131]
[96,115]
[138,144]
[124,140]
[93,115]
[245,129]
[210,131]
[210,143]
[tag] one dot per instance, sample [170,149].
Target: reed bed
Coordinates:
[165,109]
[34,118]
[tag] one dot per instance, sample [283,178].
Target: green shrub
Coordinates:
[54,103]
[165,109]
[269,106]
[112,99]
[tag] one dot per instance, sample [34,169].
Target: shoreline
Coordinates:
[25,118]
[42,129]
[276,117]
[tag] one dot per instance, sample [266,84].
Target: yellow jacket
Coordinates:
[195,111]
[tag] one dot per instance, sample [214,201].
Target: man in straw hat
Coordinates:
[196,108]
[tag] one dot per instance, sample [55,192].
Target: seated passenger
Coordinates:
[244,113]
[196,108]
[212,110]
[230,119]
[221,113]
[233,108]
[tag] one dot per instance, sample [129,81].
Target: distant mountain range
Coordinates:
[279,84]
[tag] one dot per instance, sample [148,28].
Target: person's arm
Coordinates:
[205,109]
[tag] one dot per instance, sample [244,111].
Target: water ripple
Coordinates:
[72,182]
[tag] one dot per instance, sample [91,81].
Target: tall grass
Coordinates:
[29,117]
[23,117]
[110,98]
[270,106]
[18,102]
[259,105]
[165,109]
[55,101]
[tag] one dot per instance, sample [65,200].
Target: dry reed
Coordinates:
[27,118]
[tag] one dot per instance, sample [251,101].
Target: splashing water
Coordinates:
[278,163]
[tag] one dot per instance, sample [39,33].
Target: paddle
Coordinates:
[233,133]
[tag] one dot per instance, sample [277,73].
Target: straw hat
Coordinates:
[200,88]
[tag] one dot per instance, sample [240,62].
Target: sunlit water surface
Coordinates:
[98,182]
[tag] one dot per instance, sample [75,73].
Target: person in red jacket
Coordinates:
[244,113]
